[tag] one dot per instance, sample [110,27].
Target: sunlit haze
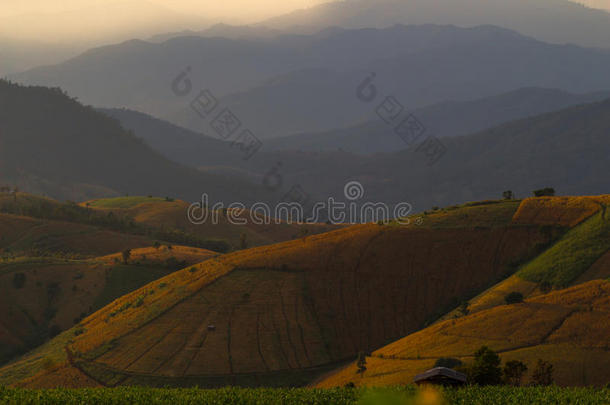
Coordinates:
[85,21]
[109,20]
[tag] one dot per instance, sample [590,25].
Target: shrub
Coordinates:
[486,367]
[514,297]
[361,363]
[448,362]
[513,372]
[126,254]
[463,309]
[544,192]
[545,287]
[543,373]
[122,308]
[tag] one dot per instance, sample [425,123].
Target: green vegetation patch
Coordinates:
[298,396]
[572,255]
[44,357]
[123,202]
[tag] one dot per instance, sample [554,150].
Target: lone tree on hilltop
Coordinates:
[545,192]
[361,364]
[508,195]
[486,368]
[464,308]
[126,254]
[543,373]
[513,372]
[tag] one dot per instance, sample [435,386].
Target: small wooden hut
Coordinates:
[441,376]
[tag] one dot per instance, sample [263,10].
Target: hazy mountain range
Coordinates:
[565,149]
[557,21]
[304,83]
[450,118]
[52,145]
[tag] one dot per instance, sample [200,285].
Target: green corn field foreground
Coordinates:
[339,396]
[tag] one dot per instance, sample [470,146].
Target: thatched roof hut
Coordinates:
[441,376]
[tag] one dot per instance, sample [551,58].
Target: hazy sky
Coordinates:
[100,21]
[250,9]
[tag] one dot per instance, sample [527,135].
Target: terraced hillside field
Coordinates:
[159,212]
[283,314]
[568,328]
[42,296]
[581,255]
[21,235]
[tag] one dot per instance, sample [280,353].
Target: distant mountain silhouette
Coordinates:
[176,143]
[445,119]
[50,144]
[565,149]
[249,32]
[307,83]
[557,21]
[435,64]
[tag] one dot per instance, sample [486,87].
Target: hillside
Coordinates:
[563,149]
[568,328]
[565,326]
[580,255]
[80,153]
[176,143]
[51,273]
[474,166]
[43,296]
[557,21]
[312,303]
[444,119]
[160,214]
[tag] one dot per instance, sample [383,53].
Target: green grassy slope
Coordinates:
[572,255]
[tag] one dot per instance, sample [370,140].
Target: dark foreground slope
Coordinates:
[50,144]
